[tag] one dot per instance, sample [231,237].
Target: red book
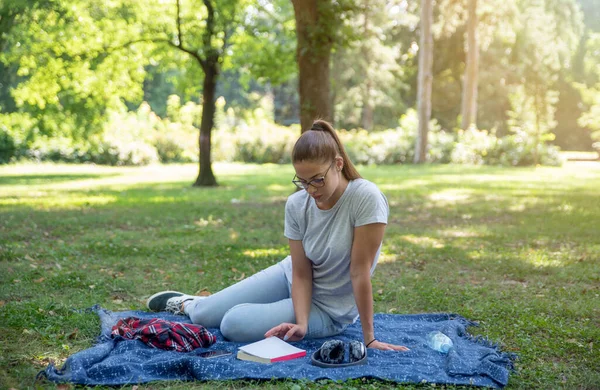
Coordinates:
[269,350]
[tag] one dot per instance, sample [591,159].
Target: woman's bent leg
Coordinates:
[249,322]
[267,286]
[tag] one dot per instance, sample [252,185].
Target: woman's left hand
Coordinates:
[387,346]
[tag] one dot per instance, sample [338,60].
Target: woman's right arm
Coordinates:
[301,295]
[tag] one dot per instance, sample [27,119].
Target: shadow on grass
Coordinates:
[51,178]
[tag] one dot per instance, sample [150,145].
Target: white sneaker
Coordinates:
[171,301]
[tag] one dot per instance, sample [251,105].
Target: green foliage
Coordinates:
[7,146]
[70,64]
[253,139]
[479,147]
[141,137]
[591,120]
[128,138]
[18,132]
[74,67]
[266,50]
[396,146]
[368,94]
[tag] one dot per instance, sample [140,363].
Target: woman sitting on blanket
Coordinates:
[335,230]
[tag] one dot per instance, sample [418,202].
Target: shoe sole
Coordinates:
[160,293]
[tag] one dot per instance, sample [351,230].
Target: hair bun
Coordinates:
[317,126]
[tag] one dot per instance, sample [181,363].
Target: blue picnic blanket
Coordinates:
[118,361]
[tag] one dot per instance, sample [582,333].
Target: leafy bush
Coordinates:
[262,142]
[475,147]
[397,146]
[130,153]
[141,137]
[16,131]
[480,147]
[591,118]
[7,146]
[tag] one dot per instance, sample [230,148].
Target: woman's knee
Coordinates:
[238,326]
[204,315]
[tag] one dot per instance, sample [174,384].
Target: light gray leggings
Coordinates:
[245,311]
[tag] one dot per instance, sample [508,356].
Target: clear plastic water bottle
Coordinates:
[439,342]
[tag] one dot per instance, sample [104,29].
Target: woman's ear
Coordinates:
[339,163]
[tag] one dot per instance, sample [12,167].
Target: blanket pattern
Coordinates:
[118,361]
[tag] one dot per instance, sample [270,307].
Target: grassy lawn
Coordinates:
[516,249]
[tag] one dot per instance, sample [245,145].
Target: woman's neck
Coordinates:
[337,194]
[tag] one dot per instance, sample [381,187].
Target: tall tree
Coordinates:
[320,24]
[469,93]
[313,52]
[425,79]
[367,73]
[79,62]
[546,39]
[367,109]
[204,36]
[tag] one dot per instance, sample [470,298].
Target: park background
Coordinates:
[480,121]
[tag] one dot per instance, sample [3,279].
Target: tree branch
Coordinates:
[179,46]
[179,36]
[210,25]
[194,54]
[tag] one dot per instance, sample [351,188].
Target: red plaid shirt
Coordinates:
[163,334]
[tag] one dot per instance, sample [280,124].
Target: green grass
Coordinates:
[516,249]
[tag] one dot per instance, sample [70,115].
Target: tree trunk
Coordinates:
[536,138]
[469,96]
[425,79]
[367,109]
[211,71]
[313,51]
[334,82]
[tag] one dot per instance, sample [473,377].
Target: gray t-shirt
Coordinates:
[327,237]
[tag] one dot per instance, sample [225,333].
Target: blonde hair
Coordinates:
[321,143]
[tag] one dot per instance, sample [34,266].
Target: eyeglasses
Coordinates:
[317,182]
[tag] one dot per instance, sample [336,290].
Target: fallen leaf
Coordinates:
[203,293]
[73,334]
[380,291]
[242,276]
[234,269]
[40,280]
